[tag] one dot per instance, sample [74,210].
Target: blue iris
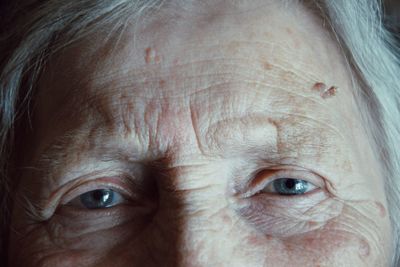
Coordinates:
[98,199]
[288,186]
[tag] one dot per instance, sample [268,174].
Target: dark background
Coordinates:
[4,6]
[392,18]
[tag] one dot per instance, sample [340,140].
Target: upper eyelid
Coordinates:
[126,179]
[95,184]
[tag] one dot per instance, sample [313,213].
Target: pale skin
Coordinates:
[189,125]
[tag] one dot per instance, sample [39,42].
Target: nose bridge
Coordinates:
[193,208]
[193,204]
[191,177]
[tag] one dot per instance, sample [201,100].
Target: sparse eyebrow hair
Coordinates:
[82,141]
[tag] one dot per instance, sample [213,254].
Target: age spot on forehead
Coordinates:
[325,91]
[364,248]
[267,66]
[150,56]
[289,31]
[162,83]
[381,208]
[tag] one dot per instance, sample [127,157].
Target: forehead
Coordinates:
[290,36]
[227,44]
[218,61]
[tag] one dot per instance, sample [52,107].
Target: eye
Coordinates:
[289,186]
[98,199]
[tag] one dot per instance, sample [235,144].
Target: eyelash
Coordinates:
[265,178]
[109,199]
[98,184]
[260,184]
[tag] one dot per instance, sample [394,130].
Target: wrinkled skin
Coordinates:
[189,124]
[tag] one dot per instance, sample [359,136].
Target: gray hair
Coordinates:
[52,25]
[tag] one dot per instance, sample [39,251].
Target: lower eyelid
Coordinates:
[264,201]
[293,200]
[271,214]
[76,221]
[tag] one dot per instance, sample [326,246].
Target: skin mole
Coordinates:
[319,86]
[330,92]
[324,91]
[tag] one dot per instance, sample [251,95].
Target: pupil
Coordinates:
[290,183]
[101,197]
[98,195]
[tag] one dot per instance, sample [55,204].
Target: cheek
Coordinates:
[357,237]
[119,246]
[284,218]
[332,248]
[202,238]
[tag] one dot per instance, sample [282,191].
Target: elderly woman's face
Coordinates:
[217,135]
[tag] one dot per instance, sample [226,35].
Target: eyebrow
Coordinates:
[258,132]
[244,133]
[59,150]
[256,139]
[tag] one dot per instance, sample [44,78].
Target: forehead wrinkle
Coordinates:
[241,134]
[186,63]
[271,81]
[99,100]
[132,79]
[239,50]
[220,81]
[120,113]
[83,143]
[111,117]
[117,113]
[101,110]
[306,118]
